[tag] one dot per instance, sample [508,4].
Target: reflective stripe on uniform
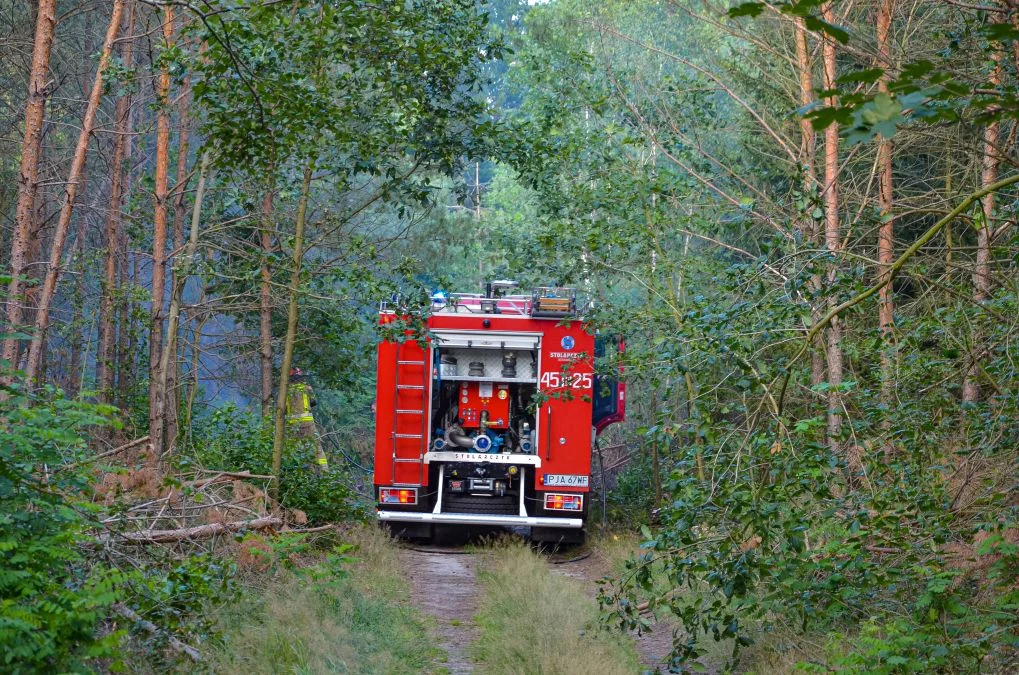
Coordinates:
[322,460]
[306,417]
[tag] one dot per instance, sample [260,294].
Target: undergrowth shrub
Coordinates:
[62,591]
[631,500]
[53,597]
[230,439]
[898,538]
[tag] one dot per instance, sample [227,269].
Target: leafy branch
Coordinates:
[889,275]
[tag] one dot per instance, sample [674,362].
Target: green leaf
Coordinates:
[751,9]
[868,76]
[815,24]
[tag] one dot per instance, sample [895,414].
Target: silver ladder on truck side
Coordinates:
[409,448]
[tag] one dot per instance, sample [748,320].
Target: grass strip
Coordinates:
[534,621]
[314,620]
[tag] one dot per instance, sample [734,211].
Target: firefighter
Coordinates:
[300,401]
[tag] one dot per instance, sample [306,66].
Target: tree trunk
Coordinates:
[126,366]
[157,397]
[171,413]
[74,178]
[832,238]
[107,309]
[808,161]
[886,233]
[184,267]
[265,302]
[28,176]
[127,361]
[79,335]
[288,341]
[193,368]
[982,267]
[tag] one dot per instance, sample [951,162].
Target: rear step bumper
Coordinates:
[473,519]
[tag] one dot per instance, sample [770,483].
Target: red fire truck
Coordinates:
[489,418]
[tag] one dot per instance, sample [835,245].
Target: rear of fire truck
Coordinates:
[490,420]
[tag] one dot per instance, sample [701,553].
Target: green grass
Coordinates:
[310,622]
[534,621]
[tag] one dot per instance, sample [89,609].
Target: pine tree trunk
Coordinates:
[288,341]
[265,302]
[74,179]
[157,397]
[28,176]
[982,268]
[172,404]
[886,233]
[833,243]
[79,334]
[808,161]
[126,365]
[107,308]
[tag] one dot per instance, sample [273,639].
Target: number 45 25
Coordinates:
[566,380]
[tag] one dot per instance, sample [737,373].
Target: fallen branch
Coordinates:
[176,644]
[308,530]
[198,531]
[228,475]
[109,453]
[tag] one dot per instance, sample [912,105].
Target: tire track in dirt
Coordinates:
[444,587]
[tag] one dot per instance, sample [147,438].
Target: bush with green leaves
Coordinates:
[53,596]
[631,499]
[230,439]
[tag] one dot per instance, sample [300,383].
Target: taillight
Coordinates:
[398,495]
[557,502]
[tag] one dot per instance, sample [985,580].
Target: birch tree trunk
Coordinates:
[74,178]
[28,176]
[265,301]
[184,268]
[288,341]
[194,374]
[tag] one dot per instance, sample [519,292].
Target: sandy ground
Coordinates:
[444,587]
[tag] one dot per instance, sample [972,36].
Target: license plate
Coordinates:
[565,480]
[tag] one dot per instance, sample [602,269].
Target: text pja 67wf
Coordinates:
[491,417]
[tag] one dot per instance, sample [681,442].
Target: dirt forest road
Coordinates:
[444,587]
